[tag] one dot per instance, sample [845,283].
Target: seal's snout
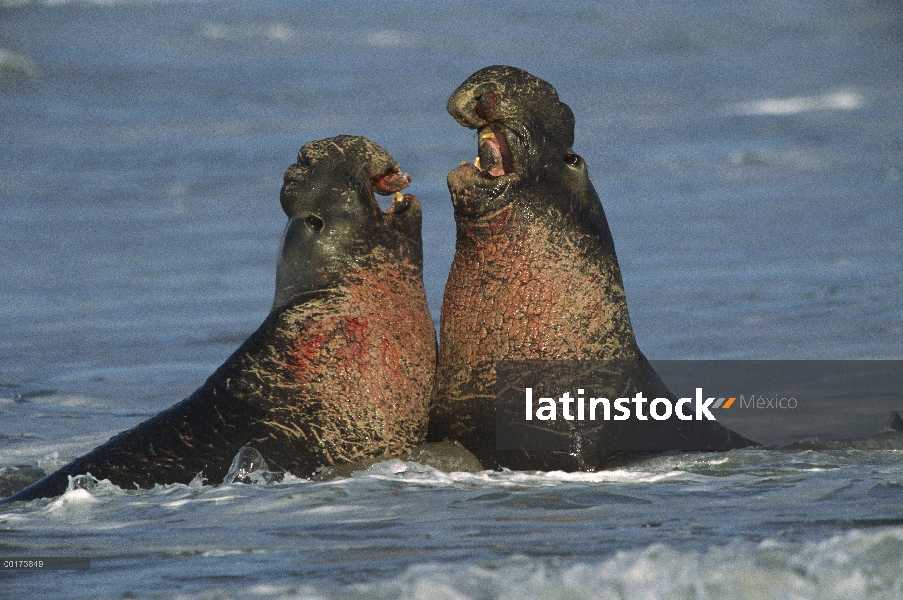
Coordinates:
[523,108]
[522,127]
[485,103]
[474,106]
[391,182]
[352,163]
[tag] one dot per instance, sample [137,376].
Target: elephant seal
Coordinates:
[535,277]
[341,369]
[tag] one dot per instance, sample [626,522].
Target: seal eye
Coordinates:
[314,222]
[572,159]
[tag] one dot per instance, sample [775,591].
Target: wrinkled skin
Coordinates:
[535,277]
[342,368]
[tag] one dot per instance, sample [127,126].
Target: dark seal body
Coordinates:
[342,368]
[535,276]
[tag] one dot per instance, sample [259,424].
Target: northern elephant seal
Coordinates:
[341,369]
[535,277]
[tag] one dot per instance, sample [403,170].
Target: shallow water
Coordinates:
[750,162]
[742,524]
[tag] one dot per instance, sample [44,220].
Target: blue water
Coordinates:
[750,161]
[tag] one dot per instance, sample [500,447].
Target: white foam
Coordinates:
[858,564]
[840,100]
[412,472]
[278,32]
[74,497]
[389,38]
[16,65]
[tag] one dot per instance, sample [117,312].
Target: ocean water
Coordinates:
[750,160]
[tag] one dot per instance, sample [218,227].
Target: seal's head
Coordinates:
[335,223]
[524,134]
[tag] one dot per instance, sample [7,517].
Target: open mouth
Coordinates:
[480,187]
[391,183]
[492,170]
[494,156]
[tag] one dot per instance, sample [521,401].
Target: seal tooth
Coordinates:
[476,162]
[397,197]
[488,135]
[463,162]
